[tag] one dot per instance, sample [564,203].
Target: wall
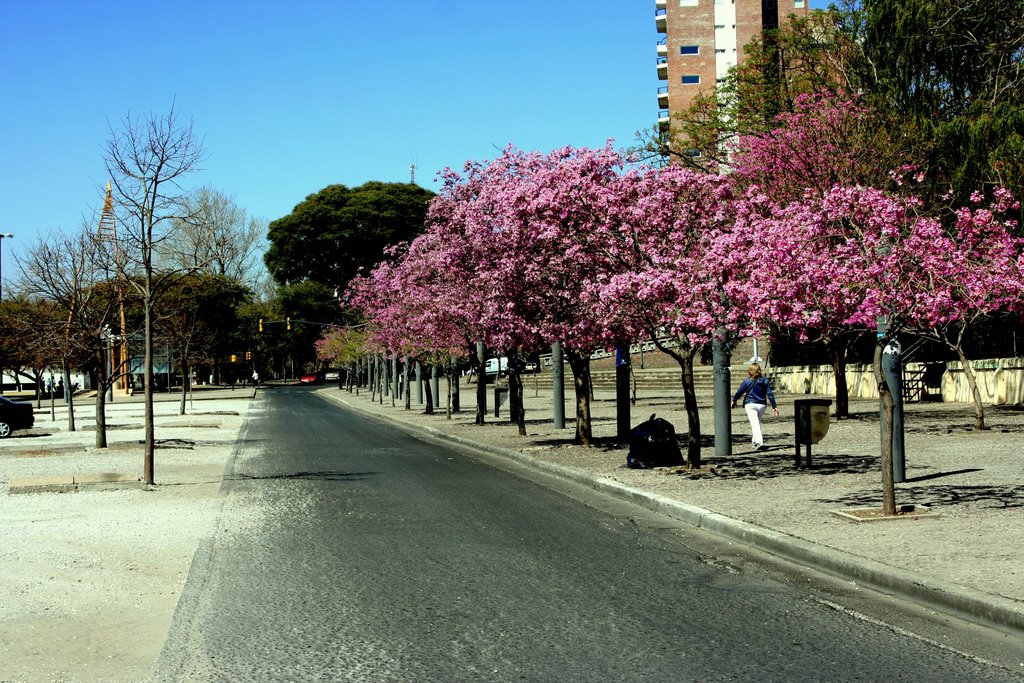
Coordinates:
[1000,380]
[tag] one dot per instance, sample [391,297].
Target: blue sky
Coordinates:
[292,96]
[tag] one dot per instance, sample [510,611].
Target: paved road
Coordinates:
[349,551]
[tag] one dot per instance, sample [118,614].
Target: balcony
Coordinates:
[659,19]
[663,119]
[663,97]
[662,68]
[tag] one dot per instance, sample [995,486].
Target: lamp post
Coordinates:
[2,236]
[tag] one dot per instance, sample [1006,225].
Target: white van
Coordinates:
[496,366]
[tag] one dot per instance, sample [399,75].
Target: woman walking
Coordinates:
[757,392]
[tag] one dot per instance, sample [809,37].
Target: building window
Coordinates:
[689,49]
[720,50]
[691,79]
[687,3]
[720,26]
[799,4]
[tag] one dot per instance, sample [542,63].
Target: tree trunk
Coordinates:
[972,383]
[517,410]
[481,392]
[838,352]
[429,393]
[147,392]
[101,399]
[69,397]
[684,357]
[382,381]
[184,386]
[371,373]
[888,405]
[454,402]
[693,445]
[580,363]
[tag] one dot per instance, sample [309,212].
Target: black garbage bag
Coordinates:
[653,444]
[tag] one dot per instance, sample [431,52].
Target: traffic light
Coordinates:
[288,324]
[234,358]
[248,355]
[261,324]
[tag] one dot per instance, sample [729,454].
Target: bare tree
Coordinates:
[215,236]
[147,159]
[71,271]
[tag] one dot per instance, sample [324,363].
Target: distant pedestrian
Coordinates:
[255,378]
[757,393]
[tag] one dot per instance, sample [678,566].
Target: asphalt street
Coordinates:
[348,550]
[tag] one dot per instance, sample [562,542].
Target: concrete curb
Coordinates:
[943,596]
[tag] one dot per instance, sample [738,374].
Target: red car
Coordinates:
[310,378]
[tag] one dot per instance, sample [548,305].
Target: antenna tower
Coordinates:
[106,231]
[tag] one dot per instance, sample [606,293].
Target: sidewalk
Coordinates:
[967,560]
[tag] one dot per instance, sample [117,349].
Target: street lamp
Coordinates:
[2,236]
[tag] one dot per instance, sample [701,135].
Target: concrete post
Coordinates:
[892,371]
[721,359]
[558,385]
[622,417]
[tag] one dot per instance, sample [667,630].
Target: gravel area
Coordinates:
[91,579]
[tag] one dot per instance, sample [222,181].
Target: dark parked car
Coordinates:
[15,415]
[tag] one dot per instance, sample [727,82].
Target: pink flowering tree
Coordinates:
[972,272]
[828,140]
[799,283]
[667,274]
[470,217]
[411,304]
[343,346]
[549,213]
[876,255]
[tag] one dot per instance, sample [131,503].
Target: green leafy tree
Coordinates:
[309,307]
[330,235]
[950,76]
[198,313]
[819,53]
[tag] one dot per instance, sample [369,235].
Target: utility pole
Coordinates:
[2,236]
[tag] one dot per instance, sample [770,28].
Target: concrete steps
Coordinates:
[667,379]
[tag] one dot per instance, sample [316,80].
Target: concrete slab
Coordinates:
[72,483]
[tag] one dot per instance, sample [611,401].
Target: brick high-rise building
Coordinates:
[703,38]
